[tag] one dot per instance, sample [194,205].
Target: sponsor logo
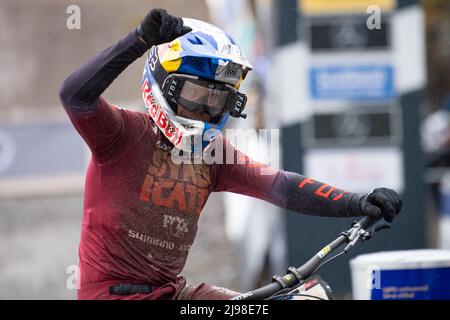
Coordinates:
[166,184]
[153,59]
[160,117]
[178,226]
[324,252]
[360,82]
[161,243]
[323,190]
[168,245]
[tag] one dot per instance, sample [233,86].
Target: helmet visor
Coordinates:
[213,100]
[194,94]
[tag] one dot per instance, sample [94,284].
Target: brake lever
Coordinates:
[357,233]
[360,234]
[368,236]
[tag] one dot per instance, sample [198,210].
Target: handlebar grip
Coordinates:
[367,221]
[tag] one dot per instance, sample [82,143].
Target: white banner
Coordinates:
[357,170]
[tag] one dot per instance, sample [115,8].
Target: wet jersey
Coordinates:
[141,209]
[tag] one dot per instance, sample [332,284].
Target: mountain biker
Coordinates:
[141,208]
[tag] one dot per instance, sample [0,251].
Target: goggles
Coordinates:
[194,93]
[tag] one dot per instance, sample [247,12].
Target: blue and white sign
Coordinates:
[402,275]
[363,82]
[413,284]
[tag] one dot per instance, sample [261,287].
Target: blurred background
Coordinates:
[359,90]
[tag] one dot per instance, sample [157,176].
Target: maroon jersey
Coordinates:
[141,208]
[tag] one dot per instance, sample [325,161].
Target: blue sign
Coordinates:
[445,204]
[413,284]
[364,82]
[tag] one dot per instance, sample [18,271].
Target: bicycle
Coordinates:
[302,283]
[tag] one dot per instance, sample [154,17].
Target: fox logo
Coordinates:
[177,226]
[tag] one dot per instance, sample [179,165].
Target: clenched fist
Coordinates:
[160,27]
[381,202]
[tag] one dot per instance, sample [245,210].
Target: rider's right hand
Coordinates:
[160,27]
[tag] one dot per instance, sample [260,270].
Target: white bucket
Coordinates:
[444,221]
[399,275]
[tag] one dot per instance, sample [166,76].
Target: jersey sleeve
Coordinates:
[105,128]
[285,189]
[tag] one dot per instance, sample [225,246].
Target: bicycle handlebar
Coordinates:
[296,275]
[367,222]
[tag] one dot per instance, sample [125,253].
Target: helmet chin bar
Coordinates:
[210,132]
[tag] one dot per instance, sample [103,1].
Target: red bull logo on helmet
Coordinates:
[160,117]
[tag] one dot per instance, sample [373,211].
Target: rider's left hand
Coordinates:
[381,202]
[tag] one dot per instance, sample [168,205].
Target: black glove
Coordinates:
[381,202]
[160,27]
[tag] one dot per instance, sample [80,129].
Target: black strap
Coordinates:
[128,288]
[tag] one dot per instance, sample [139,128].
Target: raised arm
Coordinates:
[98,122]
[81,91]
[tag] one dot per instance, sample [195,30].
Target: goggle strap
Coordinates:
[172,87]
[237,105]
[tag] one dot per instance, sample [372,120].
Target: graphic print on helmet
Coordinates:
[200,71]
